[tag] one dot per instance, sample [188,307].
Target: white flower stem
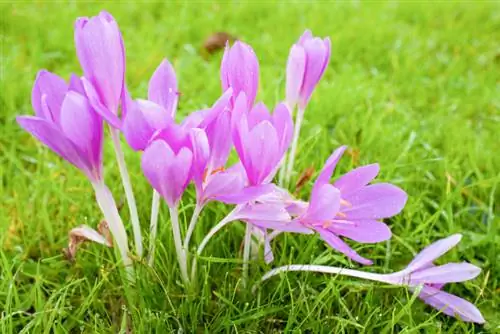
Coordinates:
[226,220]
[181,253]
[390,278]
[281,177]
[108,207]
[246,252]
[293,150]
[192,224]
[127,186]
[153,227]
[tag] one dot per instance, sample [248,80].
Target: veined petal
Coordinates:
[336,243]
[446,273]
[244,195]
[261,152]
[55,139]
[324,204]
[292,226]
[282,121]
[364,231]
[316,53]
[262,212]
[375,201]
[201,153]
[433,251]
[330,164]
[295,74]
[76,85]
[257,114]
[163,87]
[356,179]
[100,108]
[451,305]
[54,88]
[220,143]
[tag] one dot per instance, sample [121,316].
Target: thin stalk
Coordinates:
[127,186]
[108,207]
[226,220]
[296,134]
[192,224]
[246,252]
[281,177]
[391,278]
[153,227]
[181,254]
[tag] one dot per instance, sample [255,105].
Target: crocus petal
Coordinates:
[55,139]
[201,153]
[306,35]
[376,201]
[245,195]
[142,119]
[220,143]
[295,74]
[317,53]
[163,87]
[336,243]
[451,305]
[262,212]
[365,231]
[292,226]
[268,251]
[54,88]
[356,179]
[239,125]
[262,149]
[257,114]
[88,233]
[324,204]
[240,70]
[175,135]
[329,167]
[167,172]
[100,108]
[446,273]
[83,127]
[101,53]
[76,85]
[433,251]
[282,121]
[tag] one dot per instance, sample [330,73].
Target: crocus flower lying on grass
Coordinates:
[420,272]
[69,120]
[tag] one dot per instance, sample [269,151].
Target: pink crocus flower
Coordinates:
[101,52]
[420,274]
[260,139]
[66,122]
[307,62]
[350,207]
[240,71]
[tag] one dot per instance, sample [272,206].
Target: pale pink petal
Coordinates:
[356,179]
[364,231]
[446,273]
[163,87]
[336,243]
[433,251]
[295,74]
[330,164]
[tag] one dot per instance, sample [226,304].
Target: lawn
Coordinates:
[412,86]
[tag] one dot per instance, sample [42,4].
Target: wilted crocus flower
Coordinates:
[421,272]
[260,139]
[349,207]
[307,62]
[66,122]
[142,118]
[240,71]
[100,50]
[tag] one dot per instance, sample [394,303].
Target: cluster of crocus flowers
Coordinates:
[196,151]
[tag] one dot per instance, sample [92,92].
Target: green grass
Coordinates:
[412,86]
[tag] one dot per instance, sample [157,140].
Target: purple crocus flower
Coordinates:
[421,272]
[65,121]
[167,163]
[349,207]
[260,139]
[142,118]
[307,62]
[100,50]
[240,71]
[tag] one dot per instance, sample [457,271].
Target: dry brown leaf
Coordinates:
[84,233]
[217,41]
[304,178]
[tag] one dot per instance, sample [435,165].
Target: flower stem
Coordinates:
[296,134]
[108,207]
[153,227]
[181,254]
[226,220]
[390,278]
[246,252]
[127,186]
[281,177]
[192,224]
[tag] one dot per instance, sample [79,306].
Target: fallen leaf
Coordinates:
[84,233]
[304,177]
[217,41]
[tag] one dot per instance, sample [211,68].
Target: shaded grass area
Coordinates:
[411,86]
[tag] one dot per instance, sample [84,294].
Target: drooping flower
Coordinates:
[240,71]
[101,52]
[66,123]
[421,272]
[142,118]
[307,62]
[260,139]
